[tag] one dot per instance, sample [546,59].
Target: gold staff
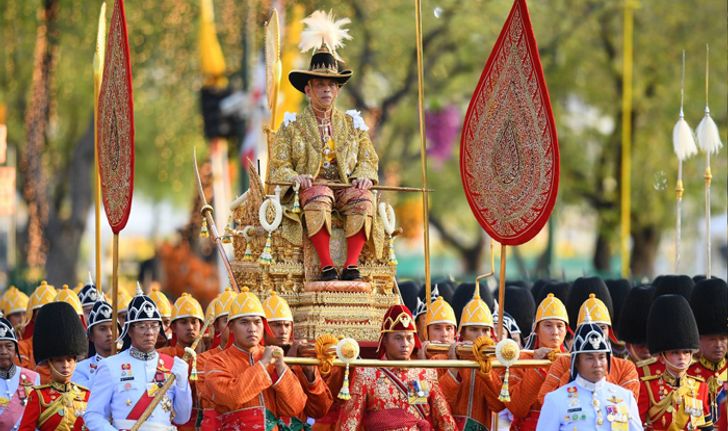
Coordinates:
[376,187]
[98,77]
[423,148]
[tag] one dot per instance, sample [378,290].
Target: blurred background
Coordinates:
[46,130]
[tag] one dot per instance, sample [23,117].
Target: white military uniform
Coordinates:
[120,382]
[583,405]
[13,397]
[86,370]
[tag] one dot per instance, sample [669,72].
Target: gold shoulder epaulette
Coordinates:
[39,387]
[651,377]
[83,388]
[645,362]
[700,379]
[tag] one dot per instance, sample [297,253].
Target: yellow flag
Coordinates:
[290,98]
[212,61]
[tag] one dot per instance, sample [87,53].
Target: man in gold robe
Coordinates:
[324,145]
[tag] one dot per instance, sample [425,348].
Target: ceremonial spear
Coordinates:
[709,142]
[683,143]
[115,145]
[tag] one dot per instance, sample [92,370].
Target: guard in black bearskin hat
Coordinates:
[100,342]
[618,290]
[589,401]
[126,383]
[58,340]
[674,285]
[709,302]
[519,303]
[16,382]
[633,326]
[673,400]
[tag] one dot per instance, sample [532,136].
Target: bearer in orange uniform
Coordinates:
[187,320]
[472,395]
[58,338]
[42,295]
[220,308]
[673,400]
[709,302]
[547,340]
[318,396]
[388,399]
[621,371]
[250,384]
[441,328]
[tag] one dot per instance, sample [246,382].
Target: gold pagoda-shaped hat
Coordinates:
[551,308]
[277,309]
[245,304]
[187,306]
[476,313]
[596,310]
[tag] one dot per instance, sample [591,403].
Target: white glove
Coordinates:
[180,371]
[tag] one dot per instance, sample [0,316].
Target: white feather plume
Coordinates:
[683,140]
[322,27]
[708,135]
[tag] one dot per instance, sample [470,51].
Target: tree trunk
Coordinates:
[35,182]
[64,233]
[646,240]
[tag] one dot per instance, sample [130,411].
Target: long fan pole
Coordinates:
[626,174]
[423,148]
[501,291]
[115,292]
[708,175]
[679,188]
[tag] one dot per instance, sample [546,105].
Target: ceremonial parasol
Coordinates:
[509,154]
[115,144]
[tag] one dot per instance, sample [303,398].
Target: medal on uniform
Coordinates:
[4,401]
[416,393]
[152,389]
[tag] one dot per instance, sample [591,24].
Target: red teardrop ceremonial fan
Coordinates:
[509,153]
[115,144]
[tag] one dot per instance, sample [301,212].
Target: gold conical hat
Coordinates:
[277,309]
[551,308]
[476,313]
[440,312]
[596,309]
[223,303]
[187,306]
[161,301]
[42,295]
[69,296]
[245,304]
[14,301]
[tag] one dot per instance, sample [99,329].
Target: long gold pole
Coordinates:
[423,148]
[419,363]
[626,177]
[501,291]
[115,292]
[98,77]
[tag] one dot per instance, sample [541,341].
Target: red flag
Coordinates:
[509,155]
[116,124]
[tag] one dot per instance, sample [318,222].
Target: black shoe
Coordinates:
[329,274]
[350,273]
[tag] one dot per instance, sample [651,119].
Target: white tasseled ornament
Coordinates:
[708,135]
